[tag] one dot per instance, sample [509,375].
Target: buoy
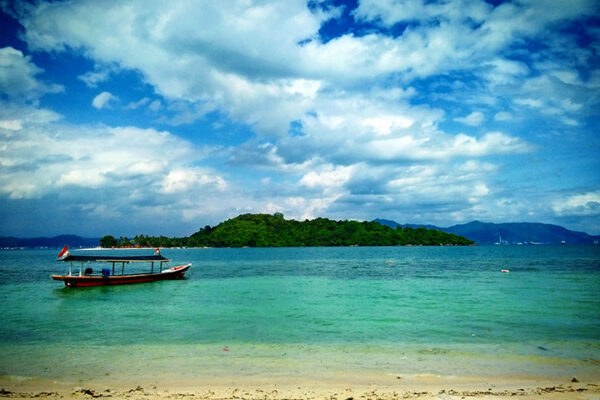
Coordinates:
[506,271]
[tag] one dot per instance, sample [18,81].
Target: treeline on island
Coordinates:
[264,230]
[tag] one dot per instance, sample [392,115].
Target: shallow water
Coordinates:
[311,312]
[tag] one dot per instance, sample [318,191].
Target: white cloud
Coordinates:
[18,77]
[103,100]
[184,180]
[262,64]
[533,103]
[134,105]
[390,13]
[420,192]
[155,105]
[101,73]
[37,161]
[586,204]
[15,115]
[367,121]
[149,178]
[503,116]
[566,103]
[328,177]
[424,143]
[192,53]
[504,71]
[384,125]
[569,77]
[308,208]
[473,119]
[81,177]
[11,124]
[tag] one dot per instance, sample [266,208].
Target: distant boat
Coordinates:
[105,277]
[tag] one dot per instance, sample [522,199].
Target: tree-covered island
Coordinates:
[264,230]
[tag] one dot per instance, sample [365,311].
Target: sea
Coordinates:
[312,314]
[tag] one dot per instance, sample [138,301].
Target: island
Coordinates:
[265,230]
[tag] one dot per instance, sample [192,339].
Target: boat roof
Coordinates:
[115,258]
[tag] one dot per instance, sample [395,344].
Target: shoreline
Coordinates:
[417,387]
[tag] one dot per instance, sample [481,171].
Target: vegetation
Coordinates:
[264,230]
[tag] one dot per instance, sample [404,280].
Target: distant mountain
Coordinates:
[510,233]
[72,241]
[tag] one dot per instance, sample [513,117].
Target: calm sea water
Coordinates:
[316,313]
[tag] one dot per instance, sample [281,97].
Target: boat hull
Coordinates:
[89,281]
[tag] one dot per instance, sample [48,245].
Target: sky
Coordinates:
[161,117]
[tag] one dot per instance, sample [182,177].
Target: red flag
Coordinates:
[157,252]
[64,253]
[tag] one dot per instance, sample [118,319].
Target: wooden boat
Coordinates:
[87,277]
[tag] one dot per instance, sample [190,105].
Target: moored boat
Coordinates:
[111,276]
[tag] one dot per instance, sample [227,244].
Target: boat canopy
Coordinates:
[124,259]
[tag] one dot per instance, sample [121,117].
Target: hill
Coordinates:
[511,233]
[264,230]
[55,241]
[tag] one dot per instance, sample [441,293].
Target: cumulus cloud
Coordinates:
[367,108]
[329,177]
[11,124]
[503,116]
[473,119]
[18,77]
[351,129]
[15,115]
[103,100]
[102,173]
[155,105]
[504,71]
[103,157]
[427,193]
[101,73]
[137,104]
[184,180]
[586,204]
[263,64]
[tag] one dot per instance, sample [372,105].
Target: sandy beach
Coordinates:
[418,387]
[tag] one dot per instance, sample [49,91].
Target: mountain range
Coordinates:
[485,233]
[73,241]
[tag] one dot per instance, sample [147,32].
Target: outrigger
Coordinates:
[86,277]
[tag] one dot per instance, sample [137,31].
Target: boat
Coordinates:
[87,277]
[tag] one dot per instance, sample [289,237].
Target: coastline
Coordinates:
[359,387]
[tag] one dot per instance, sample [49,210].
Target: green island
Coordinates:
[265,230]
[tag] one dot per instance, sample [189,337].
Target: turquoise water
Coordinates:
[315,313]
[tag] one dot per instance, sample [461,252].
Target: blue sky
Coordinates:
[145,117]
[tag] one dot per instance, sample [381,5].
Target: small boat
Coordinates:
[107,276]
